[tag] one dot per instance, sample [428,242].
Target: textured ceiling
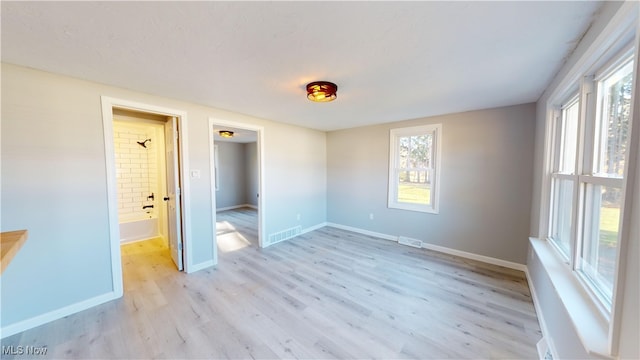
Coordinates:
[391,60]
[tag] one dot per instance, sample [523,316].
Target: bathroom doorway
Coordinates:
[148,197]
[148,183]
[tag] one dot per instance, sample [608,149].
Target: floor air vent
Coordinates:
[409,242]
[285,234]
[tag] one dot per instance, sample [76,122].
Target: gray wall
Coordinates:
[237,174]
[552,308]
[486,174]
[54,184]
[231,175]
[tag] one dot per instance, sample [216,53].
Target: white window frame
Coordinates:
[584,173]
[557,174]
[394,159]
[597,326]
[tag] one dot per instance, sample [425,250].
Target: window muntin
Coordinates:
[564,180]
[561,224]
[569,137]
[588,176]
[414,158]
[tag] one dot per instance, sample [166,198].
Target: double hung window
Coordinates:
[590,141]
[414,161]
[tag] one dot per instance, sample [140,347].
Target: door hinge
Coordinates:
[178,192]
[180,246]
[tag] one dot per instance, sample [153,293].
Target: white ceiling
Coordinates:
[391,60]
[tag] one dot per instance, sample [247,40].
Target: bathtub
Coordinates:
[136,227]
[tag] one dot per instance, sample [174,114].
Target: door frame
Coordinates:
[261,175]
[108,103]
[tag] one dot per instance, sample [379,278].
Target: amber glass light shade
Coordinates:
[321,91]
[226,133]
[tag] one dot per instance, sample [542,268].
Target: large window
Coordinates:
[591,135]
[413,168]
[604,186]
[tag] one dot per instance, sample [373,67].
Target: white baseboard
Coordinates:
[200,266]
[236,207]
[472,256]
[442,249]
[27,324]
[363,231]
[313,228]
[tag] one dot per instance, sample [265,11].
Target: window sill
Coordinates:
[413,207]
[592,329]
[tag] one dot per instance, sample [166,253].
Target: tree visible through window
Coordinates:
[604,189]
[589,173]
[413,163]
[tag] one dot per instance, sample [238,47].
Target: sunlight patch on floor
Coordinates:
[228,238]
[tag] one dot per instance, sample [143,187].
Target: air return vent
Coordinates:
[285,234]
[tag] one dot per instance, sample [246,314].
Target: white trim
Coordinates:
[630,186]
[185,191]
[472,256]
[363,231]
[261,176]
[602,180]
[546,335]
[392,193]
[202,265]
[620,25]
[236,207]
[313,228]
[108,103]
[441,249]
[214,170]
[57,314]
[112,196]
[586,320]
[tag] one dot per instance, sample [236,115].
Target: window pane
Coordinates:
[612,130]
[414,182]
[414,187]
[403,153]
[569,138]
[562,212]
[599,251]
[415,151]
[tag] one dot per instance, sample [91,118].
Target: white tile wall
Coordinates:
[136,169]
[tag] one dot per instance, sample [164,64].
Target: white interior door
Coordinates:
[172,197]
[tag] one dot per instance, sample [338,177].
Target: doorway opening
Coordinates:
[237,184]
[147,194]
[141,176]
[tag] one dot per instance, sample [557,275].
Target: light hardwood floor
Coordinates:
[326,294]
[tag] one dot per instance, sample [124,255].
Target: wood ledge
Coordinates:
[11,242]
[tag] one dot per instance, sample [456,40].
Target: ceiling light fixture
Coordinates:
[226,133]
[321,91]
